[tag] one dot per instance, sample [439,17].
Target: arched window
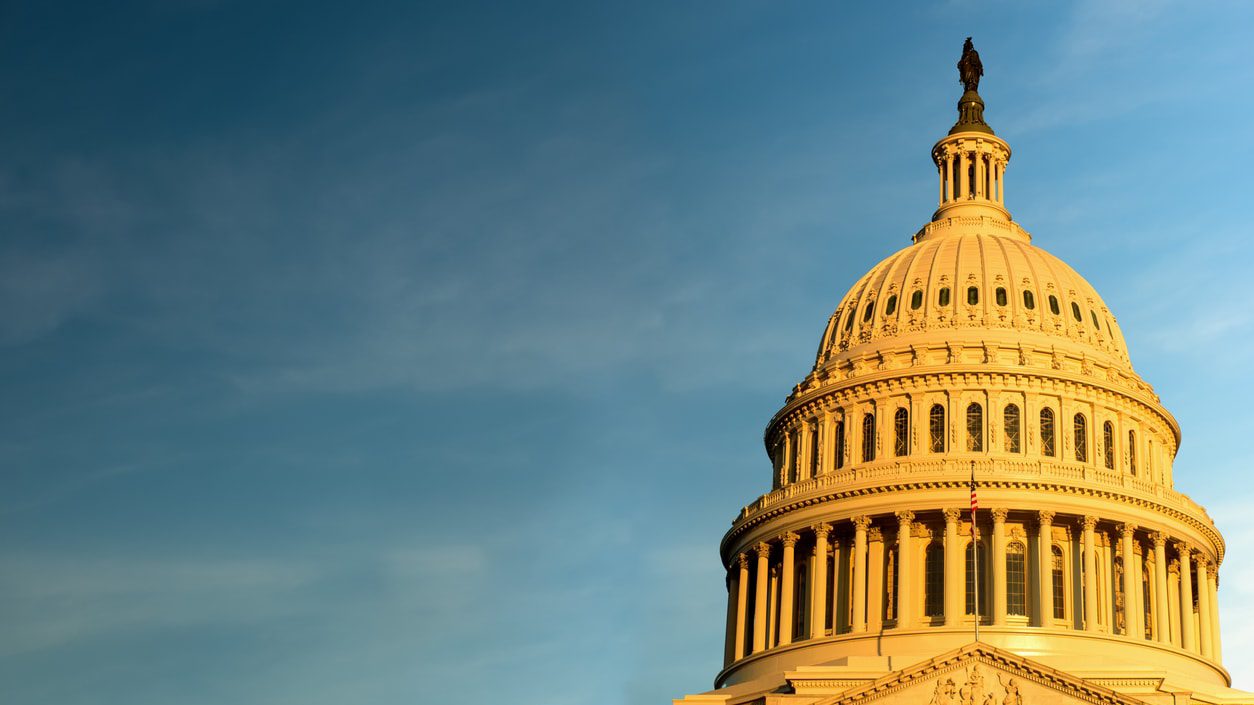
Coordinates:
[1075,312]
[916,300]
[936,428]
[984,572]
[1132,452]
[942,298]
[1010,421]
[815,449]
[870,309]
[973,295]
[891,305]
[1053,305]
[849,320]
[901,432]
[1058,584]
[801,608]
[1016,579]
[975,428]
[1096,325]
[934,580]
[1000,296]
[1047,432]
[794,454]
[1108,444]
[868,437]
[1029,301]
[1081,427]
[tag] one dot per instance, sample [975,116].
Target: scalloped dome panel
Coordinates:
[984,283]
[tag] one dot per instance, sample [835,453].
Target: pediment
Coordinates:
[979,674]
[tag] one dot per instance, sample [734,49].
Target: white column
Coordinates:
[875,580]
[905,570]
[742,603]
[1129,578]
[860,525]
[1203,608]
[1186,596]
[1212,585]
[818,604]
[998,560]
[1045,568]
[1162,613]
[759,597]
[954,569]
[787,587]
[1090,576]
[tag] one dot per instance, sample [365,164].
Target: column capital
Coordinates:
[1212,570]
[904,517]
[742,561]
[1173,566]
[1127,529]
[789,539]
[1045,516]
[862,522]
[763,549]
[875,534]
[1159,538]
[999,514]
[1182,548]
[1090,522]
[1199,557]
[953,514]
[821,531]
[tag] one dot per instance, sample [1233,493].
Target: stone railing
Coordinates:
[985,469]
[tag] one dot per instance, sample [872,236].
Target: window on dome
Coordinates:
[1053,305]
[1000,296]
[973,295]
[1096,325]
[1108,444]
[1029,301]
[892,305]
[943,297]
[971,579]
[1047,432]
[916,300]
[901,432]
[1016,579]
[1058,583]
[1081,428]
[936,428]
[975,428]
[794,454]
[870,309]
[1132,451]
[934,580]
[849,320]
[1010,421]
[868,437]
[814,449]
[1075,311]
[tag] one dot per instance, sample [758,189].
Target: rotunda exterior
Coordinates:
[972,480]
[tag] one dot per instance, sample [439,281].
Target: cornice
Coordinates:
[746,522]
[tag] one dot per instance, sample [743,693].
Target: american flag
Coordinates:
[975,503]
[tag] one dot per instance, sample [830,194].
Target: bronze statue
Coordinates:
[969,67]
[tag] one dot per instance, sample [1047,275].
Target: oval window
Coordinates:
[1053,305]
[870,308]
[1075,311]
[973,295]
[916,300]
[1096,325]
[849,321]
[943,297]
[892,306]
[1029,301]
[1000,295]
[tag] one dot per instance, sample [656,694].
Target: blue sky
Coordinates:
[420,352]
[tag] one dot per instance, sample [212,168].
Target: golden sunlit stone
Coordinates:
[972,353]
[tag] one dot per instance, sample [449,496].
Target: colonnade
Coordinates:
[970,170]
[872,573]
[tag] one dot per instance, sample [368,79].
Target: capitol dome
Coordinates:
[972,363]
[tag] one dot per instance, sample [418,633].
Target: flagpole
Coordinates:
[975,552]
